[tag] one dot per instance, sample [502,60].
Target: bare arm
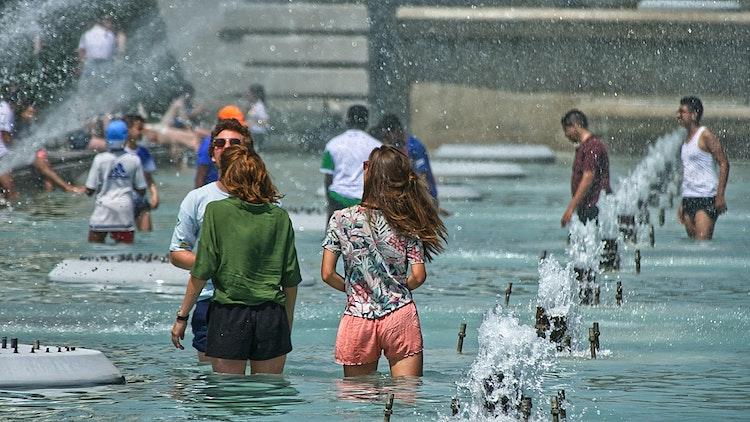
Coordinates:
[152,190]
[194,287]
[417,277]
[328,271]
[182,259]
[291,299]
[713,146]
[586,181]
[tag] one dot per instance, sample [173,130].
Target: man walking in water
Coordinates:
[702,190]
[590,169]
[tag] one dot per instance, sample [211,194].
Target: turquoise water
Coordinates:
[676,350]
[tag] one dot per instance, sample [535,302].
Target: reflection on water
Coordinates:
[377,388]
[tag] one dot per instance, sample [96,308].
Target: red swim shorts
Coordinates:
[397,335]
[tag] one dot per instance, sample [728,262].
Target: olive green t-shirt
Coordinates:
[248,251]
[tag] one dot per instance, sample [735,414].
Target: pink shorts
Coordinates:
[397,335]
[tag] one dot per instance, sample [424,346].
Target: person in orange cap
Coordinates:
[205,169]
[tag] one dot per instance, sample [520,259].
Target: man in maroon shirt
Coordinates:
[590,168]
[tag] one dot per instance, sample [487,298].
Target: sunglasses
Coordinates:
[365,164]
[220,142]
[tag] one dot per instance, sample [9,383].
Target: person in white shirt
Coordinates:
[98,47]
[702,188]
[7,122]
[343,160]
[257,116]
[114,175]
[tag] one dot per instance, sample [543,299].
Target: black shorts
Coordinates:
[586,214]
[690,206]
[243,332]
[141,205]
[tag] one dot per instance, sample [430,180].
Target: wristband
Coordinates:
[182,317]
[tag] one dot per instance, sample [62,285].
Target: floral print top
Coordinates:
[376,260]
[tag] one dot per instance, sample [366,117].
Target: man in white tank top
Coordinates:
[702,188]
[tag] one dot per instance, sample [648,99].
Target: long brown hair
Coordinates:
[244,175]
[404,199]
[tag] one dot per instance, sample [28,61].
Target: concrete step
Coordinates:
[296,17]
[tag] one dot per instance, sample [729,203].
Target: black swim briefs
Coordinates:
[691,205]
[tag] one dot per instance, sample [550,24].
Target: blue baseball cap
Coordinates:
[117,134]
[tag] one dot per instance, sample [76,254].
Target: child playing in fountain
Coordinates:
[393,230]
[143,206]
[114,175]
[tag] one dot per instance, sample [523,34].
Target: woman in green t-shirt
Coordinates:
[246,248]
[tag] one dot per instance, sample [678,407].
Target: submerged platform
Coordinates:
[144,270]
[498,152]
[28,367]
[476,169]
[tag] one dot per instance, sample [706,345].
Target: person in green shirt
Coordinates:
[246,248]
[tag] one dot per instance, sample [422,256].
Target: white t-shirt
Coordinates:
[98,42]
[343,158]
[6,124]
[114,175]
[7,121]
[190,219]
[258,118]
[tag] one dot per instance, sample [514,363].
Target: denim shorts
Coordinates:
[199,324]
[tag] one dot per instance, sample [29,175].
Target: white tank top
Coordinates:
[699,179]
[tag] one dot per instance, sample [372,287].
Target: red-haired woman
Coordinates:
[246,248]
[391,232]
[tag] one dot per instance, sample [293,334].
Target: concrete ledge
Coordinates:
[292,82]
[462,22]
[297,17]
[295,50]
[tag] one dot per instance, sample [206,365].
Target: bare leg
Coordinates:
[703,226]
[270,366]
[7,186]
[359,370]
[229,366]
[144,221]
[410,366]
[97,237]
[689,224]
[202,358]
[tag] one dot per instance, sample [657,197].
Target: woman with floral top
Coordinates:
[393,230]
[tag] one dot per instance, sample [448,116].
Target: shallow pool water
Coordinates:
[677,349]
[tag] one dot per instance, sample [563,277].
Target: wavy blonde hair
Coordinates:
[392,186]
[244,175]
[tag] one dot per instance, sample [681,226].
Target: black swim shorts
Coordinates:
[691,205]
[242,332]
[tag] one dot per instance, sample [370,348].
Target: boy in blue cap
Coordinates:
[114,176]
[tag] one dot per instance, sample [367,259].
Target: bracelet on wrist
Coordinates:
[182,317]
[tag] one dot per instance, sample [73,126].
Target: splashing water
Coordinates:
[558,295]
[585,247]
[511,362]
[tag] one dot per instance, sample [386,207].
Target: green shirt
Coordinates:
[248,251]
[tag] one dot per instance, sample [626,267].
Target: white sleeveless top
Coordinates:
[699,179]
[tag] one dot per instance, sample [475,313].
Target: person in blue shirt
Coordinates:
[205,169]
[390,131]
[143,206]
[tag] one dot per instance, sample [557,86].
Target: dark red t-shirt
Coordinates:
[591,156]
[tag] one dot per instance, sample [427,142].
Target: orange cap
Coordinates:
[232,112]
